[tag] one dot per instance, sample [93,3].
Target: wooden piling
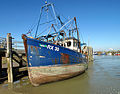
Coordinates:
[0,65]
[9,58]
[90,53]
[21,62]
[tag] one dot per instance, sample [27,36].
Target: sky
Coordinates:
[98,20]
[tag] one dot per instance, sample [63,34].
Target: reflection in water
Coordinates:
[102,77]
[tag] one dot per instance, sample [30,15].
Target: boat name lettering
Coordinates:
[56,48]
[53,48]
[50,47]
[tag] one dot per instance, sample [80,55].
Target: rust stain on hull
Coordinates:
[25,44]
[64,58]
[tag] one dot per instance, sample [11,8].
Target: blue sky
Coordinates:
[98,20]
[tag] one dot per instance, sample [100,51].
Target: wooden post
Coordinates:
[90,53]
[21,63]
[0,65]
[9,58]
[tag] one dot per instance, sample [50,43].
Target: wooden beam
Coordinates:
[23,69]
[9,58]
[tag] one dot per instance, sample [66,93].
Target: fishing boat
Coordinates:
[56,54]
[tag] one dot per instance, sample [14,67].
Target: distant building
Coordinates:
[109,54]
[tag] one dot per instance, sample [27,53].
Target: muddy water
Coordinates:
[102,77]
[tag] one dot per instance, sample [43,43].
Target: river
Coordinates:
[102,77]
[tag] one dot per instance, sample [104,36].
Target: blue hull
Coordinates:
[48,62]
[41,53]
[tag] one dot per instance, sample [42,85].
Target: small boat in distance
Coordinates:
[118,54]
[56,54]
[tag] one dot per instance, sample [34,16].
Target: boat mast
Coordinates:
[77,34]
[46,5]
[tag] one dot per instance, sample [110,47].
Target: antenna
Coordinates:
[88,42]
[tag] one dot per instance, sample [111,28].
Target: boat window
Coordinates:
[58,44]
[64,45]
[75,43]
[69,43]
[61,44]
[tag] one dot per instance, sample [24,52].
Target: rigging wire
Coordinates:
[47,22]
[82,37]
[51,14]
[44,31]
[32,26]
[61,13]
[54,18]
